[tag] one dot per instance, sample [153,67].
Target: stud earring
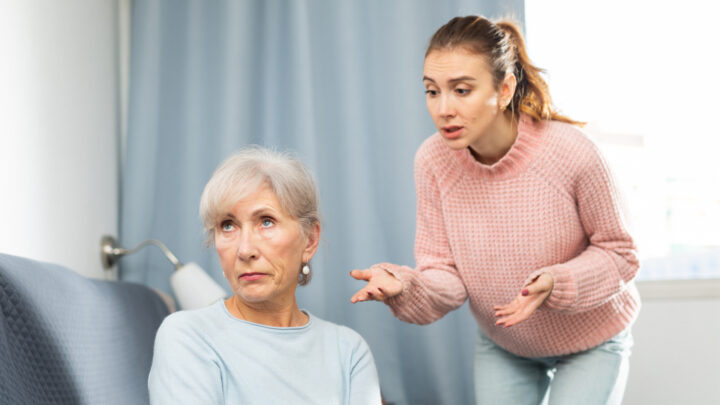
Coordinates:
[305,269]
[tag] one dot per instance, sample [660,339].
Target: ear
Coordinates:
[507,90]
[313,240]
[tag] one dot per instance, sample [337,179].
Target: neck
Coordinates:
[497,141]
[283,316]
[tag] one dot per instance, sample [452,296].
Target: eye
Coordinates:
[267,222]
[431,92]
[227,226]
[462,92]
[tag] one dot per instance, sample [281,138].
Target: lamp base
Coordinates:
[108,247]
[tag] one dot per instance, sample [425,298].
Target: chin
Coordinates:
[456,144]
[253,298]
[254,295]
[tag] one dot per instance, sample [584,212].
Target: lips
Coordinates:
[451,131]
[251,276]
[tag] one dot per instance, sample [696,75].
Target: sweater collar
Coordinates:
[514,161]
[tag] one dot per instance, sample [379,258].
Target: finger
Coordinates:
[505,320]
[368,294]
[361,274]
[503,311]
[504,316]
[378,292]
[523,313]
[508,322]
[532,289]
[514,305]
[508,311]
[507,308]
[376,295]
[360,296]
[513,319]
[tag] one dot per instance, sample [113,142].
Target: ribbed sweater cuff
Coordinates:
[401,304]
[394,269]
[564,292]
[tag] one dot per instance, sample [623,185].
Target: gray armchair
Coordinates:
[67,339]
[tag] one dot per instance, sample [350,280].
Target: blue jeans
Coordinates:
[595,376]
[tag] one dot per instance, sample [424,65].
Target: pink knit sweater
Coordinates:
[549,205]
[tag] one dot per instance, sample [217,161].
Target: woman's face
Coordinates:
[262,248]
[462,100]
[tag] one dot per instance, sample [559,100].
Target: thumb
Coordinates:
[541,284]
[361,274]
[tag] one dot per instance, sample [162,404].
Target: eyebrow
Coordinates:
[454,80]
[264,210]
[260,211]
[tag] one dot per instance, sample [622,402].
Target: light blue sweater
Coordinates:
[208,356]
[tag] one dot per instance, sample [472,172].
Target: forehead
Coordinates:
[449,63]
[261,199]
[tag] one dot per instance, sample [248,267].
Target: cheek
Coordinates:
[225,252]
[492,102]
[484,107]
[431,107]
[284,248]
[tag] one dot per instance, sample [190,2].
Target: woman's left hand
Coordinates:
[529,299]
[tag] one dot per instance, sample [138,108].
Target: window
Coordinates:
[643,74]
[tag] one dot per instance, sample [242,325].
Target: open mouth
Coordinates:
[451,131]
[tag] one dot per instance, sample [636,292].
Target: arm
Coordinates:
[184,371]
[364,385]
[434,288]
[609,262]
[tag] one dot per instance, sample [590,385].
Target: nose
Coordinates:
[247,246]
[445,106]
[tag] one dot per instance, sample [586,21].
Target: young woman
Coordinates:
[517,211]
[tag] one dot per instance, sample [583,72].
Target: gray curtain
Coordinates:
[338,83]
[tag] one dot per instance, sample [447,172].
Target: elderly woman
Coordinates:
[257,347]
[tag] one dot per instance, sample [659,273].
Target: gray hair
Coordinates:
[253,167]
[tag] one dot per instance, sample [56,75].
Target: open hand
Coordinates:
[529,299]
[381,285]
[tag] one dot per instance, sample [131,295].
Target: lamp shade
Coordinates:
[194,288]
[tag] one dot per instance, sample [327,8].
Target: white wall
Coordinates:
[59,132]
[676,358]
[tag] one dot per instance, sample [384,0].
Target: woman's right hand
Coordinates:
[381,285]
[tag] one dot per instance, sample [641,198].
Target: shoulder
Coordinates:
[566,138]
[432,151]
[342,335]
[190,324]
[569,150]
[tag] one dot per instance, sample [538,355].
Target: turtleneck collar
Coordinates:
[516,159]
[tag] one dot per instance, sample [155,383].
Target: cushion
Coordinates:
[67,339]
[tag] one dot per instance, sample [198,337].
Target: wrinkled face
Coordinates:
[262,249]
[461,97]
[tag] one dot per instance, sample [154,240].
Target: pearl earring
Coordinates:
[305,269]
